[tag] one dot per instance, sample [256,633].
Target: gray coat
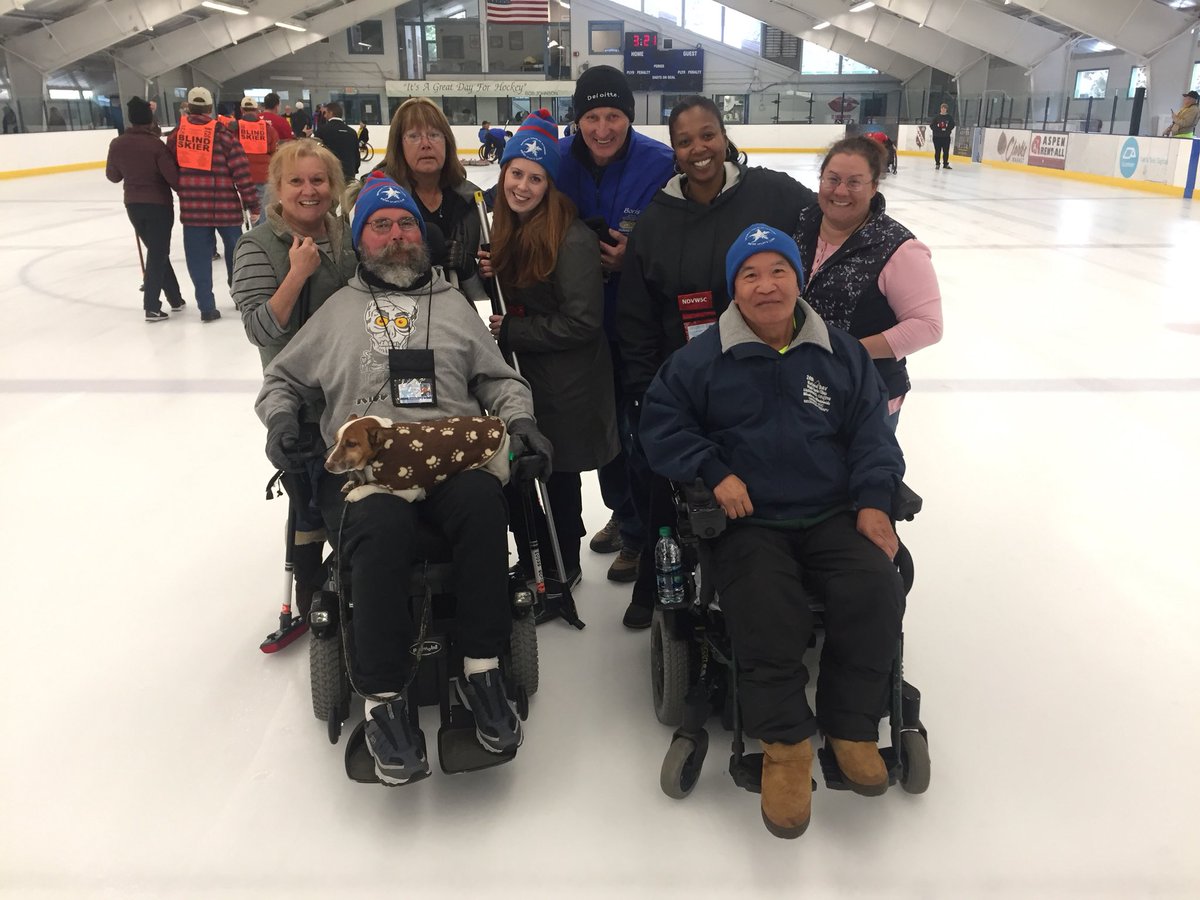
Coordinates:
[556,329]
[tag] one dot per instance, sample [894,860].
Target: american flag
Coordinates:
[519,12]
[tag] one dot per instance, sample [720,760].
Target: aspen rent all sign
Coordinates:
[1048,150]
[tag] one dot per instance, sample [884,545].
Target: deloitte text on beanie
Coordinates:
[602,86]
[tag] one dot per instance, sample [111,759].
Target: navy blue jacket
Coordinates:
[804,429]
[625,188]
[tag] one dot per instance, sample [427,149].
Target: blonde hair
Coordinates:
[421,112]
[290,152]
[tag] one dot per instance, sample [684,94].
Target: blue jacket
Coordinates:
[625,189]
[804,429]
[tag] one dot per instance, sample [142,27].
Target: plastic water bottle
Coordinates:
[668,565]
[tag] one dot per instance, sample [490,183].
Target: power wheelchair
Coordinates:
[694,670]
[431,605]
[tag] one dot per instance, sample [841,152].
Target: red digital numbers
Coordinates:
[646,39]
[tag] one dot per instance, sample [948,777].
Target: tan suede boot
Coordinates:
[861,765]
[787,788]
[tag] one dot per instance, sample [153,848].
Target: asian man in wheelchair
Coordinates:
[783,418]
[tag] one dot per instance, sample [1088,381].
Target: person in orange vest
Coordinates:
[214,187]
[259,140]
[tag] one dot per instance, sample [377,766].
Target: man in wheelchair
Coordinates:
[782,417]
[397,324]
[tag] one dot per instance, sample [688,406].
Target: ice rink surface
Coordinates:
[151,751]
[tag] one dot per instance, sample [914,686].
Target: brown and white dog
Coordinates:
[408,458]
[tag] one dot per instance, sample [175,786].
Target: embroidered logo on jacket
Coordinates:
[816,393]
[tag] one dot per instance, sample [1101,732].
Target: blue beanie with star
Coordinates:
[537,141]
[380,192]
[760,238]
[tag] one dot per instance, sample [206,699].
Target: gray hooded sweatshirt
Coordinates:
[341,355]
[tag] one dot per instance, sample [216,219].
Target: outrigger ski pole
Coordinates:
[549,605]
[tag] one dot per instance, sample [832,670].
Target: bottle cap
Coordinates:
[664,531]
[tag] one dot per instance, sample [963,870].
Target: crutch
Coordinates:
[564,606]
[141,258]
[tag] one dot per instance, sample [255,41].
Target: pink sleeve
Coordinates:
[911,287]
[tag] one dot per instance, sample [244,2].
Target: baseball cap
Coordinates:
[1193,94]
[249,103]
[199,96]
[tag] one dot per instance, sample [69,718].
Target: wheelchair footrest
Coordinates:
[746,771]
[836,781]
[459,749]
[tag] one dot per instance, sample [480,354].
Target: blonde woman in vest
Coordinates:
[283,270]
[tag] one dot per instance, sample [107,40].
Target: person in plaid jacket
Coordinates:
[214,188]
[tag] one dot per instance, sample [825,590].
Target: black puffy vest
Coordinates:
[845,291]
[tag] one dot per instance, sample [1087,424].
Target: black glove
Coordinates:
[530,443]
[285,448]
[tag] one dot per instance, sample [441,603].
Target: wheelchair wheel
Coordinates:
[365,152]
[523,656]
[681,767]
[668,670]
[914,761]
[330,684]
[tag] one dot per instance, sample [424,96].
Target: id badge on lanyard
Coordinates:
[413,376]
[697,312]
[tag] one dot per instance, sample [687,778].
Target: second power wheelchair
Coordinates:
[694,670]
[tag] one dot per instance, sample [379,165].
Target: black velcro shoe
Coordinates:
[397,746]
[496,723]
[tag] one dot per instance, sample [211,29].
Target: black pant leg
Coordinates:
[766,609]
[566,504]
[375,540]
[152,222]
[470,510]
[864,604]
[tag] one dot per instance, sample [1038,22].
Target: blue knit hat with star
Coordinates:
[760,238]
[537,141]
[380,192]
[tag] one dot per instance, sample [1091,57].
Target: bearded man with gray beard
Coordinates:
[399,342]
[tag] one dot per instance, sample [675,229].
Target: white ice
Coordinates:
[150,750]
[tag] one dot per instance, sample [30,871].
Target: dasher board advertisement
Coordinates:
[1048,149]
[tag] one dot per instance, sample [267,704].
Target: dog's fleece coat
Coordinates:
[409,458]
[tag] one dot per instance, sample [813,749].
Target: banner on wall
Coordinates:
[1146,159]
[479,88]
[1048,150]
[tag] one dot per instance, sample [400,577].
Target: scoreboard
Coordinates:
[649,67]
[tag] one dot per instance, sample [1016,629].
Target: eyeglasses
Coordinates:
[385,226]
[853,185]
[416,137]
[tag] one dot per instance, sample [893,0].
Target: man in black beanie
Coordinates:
[141,160]
[611,173]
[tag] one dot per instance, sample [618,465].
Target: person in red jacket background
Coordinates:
[140,160]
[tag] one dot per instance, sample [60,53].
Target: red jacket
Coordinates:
[282,127]
[216,197]
[259,162]
[141,160]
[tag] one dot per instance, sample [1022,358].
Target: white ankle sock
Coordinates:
[472,666]
[371,704]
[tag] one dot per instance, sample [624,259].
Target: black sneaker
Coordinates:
[156,315]
[210,316]
[397,746]
[637,617]
[496,724]
[946,166]
[176,307]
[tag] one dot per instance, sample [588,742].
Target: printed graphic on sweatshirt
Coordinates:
[388,326]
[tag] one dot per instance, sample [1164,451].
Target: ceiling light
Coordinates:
[290,27]
[237,11]
[1102,47]
[820,26]
[361,44]
[859,7]
[285,78]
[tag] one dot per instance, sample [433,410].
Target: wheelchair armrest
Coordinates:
[699,512]
[906,503]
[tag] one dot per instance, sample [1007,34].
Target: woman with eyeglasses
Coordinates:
[547,263]
[422,157]
[673,286]
[865,272]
